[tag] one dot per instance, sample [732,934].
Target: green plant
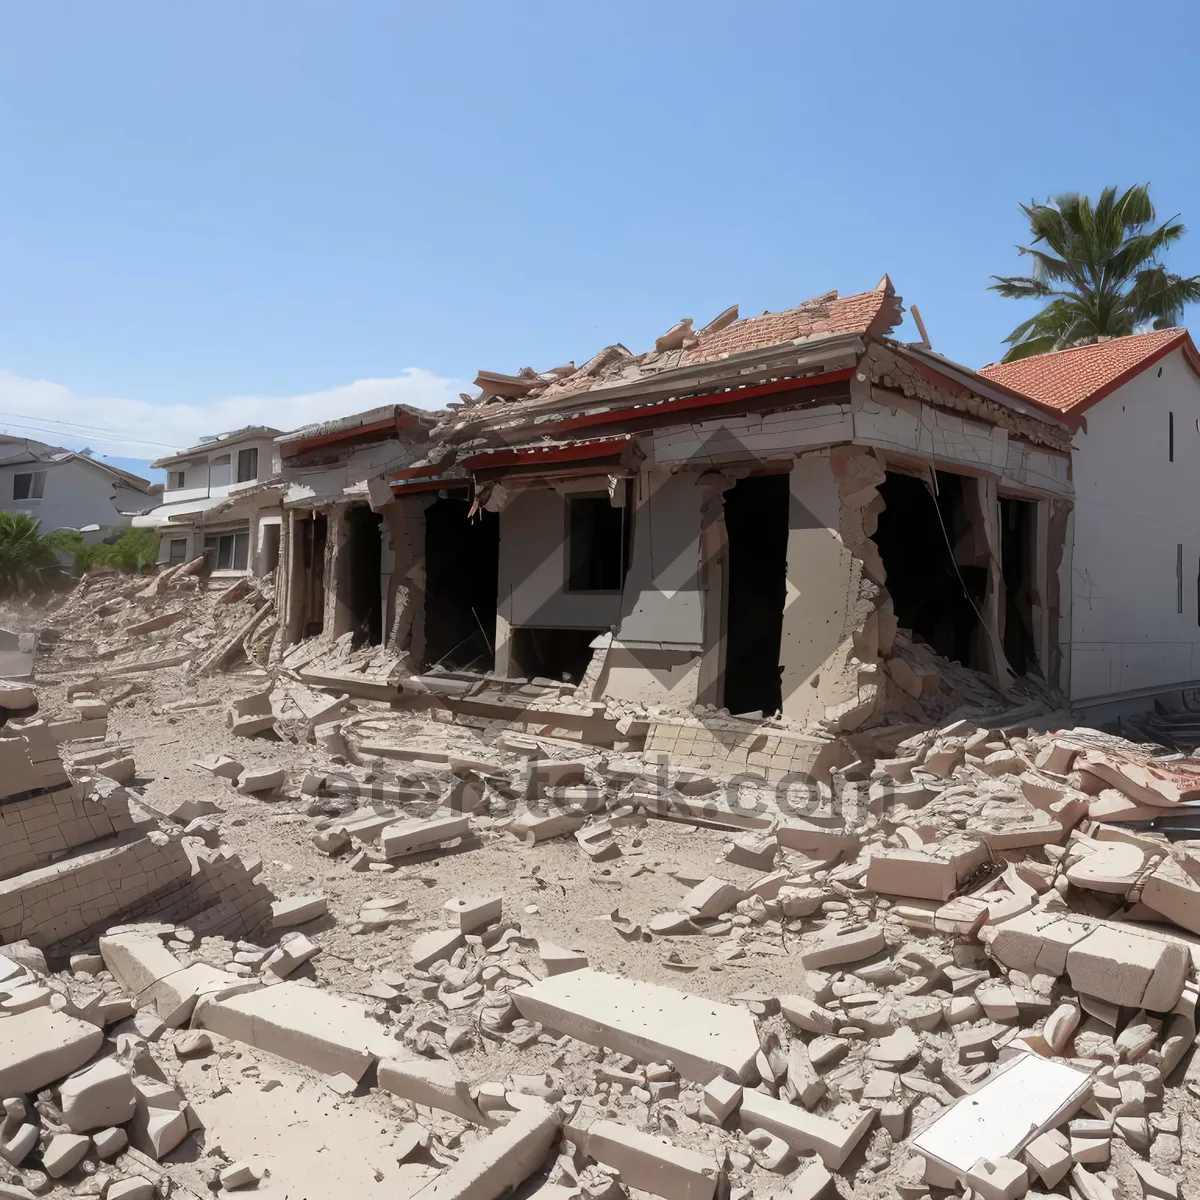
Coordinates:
[135,550]
[27,559]
[1100,268]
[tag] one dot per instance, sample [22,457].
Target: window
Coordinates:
[247,465]
[227,551]
[595,545]
[175,480]
[176,551]
[218,471]
[29,485]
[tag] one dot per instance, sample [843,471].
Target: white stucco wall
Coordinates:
[75,494]
[1133,509]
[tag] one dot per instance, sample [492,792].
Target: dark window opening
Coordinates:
[247,469]
[552,653]
[176,551]
[462,560]
[29,485]
[937,591]
[363,563]
[270,547]
[175,480]
[228,551]
[756,521]
[311,537]
[597,545]
[1018,556]
[1170,437]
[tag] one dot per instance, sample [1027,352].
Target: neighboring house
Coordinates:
[1133,628]
[64,489]
[739,517]
[221,501]
[341,528]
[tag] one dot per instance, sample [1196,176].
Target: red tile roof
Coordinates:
[1071,381]
[826,314]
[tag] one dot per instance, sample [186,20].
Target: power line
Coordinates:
[114,437]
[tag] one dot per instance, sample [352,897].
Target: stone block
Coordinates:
[98,1096]
[499,1162]
[40,1046]
[403,838]
[470,913]
[432,1082]
[832,1137]
[63,1152]
[298,910]
[302,1024]
[650,1022]
[650,1163]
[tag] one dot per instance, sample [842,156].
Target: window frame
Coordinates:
[251,454]
[176,480]
[569,541]
[172,561]
[36,489]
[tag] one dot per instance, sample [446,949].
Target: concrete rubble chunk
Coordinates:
[40,1046]
[109,1142]
[100,1095]
[808,1015]
[647,1021]
[298,910]
[305,1025]
[1002,1179]
[832,1137]
[433,1083]
[264,779]
[838,945]
[811,1182]
[434,946]
[1049,1157]
[136,1187]
[650,1163]
[558,960]
[721,1098]
[63,1152]
[413,836]
[238,1175]
[470,913]
[711,897]
[505,1158]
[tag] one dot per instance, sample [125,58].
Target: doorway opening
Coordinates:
[756,522]
[558,654]
[935,573]
[462,561]
[312,535]
[1018,556]
[364,561]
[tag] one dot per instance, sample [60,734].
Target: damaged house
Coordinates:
[343,535]
[787,514]
[220,503]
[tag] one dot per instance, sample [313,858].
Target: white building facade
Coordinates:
[219,502]
[1133,548]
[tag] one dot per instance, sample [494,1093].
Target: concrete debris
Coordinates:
[929,959]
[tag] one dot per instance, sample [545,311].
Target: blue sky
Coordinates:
[280,211]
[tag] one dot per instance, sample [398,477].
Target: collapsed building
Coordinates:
[791,515]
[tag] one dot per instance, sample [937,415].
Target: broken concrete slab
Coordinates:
[305,1025]
[502,1160]
[298,910]
[650,1163]
[432,1082]
[650,1022]
[100,1095]
[1022,1099]
[413,836]
[42,1045]
[831,1137]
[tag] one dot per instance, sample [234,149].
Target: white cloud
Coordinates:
[50,412]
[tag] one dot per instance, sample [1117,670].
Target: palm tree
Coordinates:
[27,560]
[1100,270]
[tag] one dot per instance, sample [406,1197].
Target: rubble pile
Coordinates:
[118,628]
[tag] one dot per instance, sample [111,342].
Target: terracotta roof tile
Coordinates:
[1071,380]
